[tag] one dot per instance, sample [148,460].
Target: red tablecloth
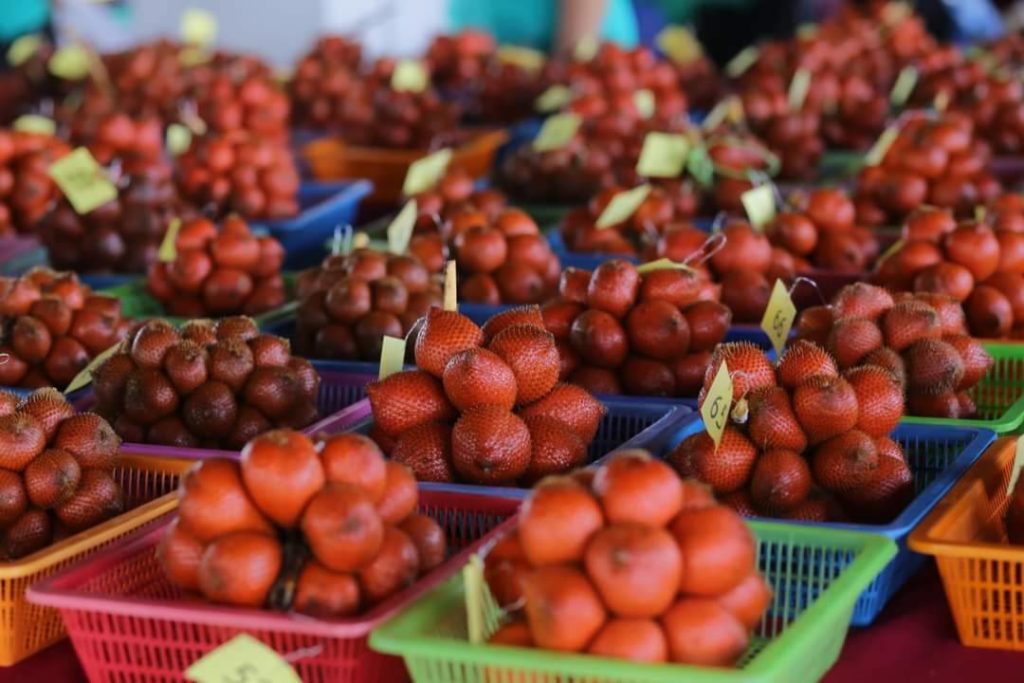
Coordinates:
[914,640]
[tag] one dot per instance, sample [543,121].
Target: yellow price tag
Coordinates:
[1018,464]
[425,173]
[799,87]
[71,62]
[904,86]
[661,264]
[401,227]
[479,601]
[24,49]
[759,203]
[194,55]
[717,403]
[745,59]
[198,27]
[410,75]
[84,377]
[556,132]
[392,356]
[779,316]
[941,101]
[243,658]
[34,123]
[808,30]
[553,99]
[586,49]
[523,57]
[360,241]
[451,292]
[878,151]
[980,213]
[679,44]
[729,109]
[168,250]
[82,181]
[663,155]
[895,12]
[645,103]
[179,137]
[622,206]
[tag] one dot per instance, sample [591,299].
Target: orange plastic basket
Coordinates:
[332,159]
[26,628]
[982,574]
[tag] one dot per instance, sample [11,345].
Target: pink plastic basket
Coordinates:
[338,391]
[129,624]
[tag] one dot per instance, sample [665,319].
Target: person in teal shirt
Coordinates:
[548,25]
[19,17]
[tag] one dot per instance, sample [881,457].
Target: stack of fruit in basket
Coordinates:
[322,81]
[808,440]
[821,231]
[238,171]
[739,258]
[991,97]
[455,193]
[52,327]
[792,133]
[56,477]
[920,338]
[980,263]
[484,405]
[618,331]
[206,385]
[121,236]
[238,92]
[148,78]
[219,272]
[26,191]
[602,154]
[506,94]
[376,115]
[459,60]
[350,302]
[938,161]
[735,155]
[628,561]
[669,202]
[328,529]
[113,135]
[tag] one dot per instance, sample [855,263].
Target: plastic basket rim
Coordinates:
[923,502]
[55,592]
[921,539]
[874,553]
[341,190]
[140,516]
[1013,415]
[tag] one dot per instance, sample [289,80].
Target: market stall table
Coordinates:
[913,640]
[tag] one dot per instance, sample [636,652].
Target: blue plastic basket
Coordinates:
[938,457]
[324,206]
[626,424]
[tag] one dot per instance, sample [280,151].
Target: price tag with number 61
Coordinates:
[717,404]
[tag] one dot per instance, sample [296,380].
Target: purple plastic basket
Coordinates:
[338,391]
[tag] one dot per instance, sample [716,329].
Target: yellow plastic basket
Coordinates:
[148,484]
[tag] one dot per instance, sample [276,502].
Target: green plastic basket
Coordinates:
[999,395]
[817,575]
[136,302]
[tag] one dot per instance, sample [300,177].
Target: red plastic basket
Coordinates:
[129,624]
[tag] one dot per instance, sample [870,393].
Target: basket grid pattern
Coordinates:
[26,627]
[800,563]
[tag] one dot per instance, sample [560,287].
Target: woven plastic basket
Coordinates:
[983,576]
[129,624]
[816,575]
[26,628]
[938,456]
